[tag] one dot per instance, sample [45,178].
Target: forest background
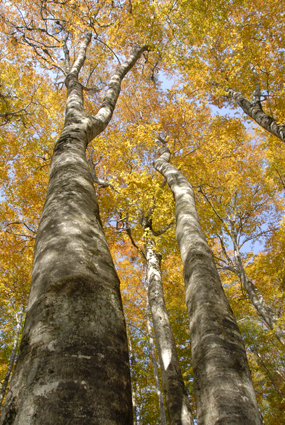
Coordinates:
[212,85]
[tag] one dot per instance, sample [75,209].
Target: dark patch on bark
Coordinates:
[230,324]
[64,142]
[10,416]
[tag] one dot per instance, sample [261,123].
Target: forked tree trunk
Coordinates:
[223,386]
[73,361]
[177,403]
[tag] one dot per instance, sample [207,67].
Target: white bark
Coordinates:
[223,386]
[177,402]
[155,372]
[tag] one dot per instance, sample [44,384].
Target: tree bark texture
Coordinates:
[73,365]
[223,387]
[177,402]
[255,111]
[155,372]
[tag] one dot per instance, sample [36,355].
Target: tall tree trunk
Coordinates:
[73,365]
[223,385]
[19,318]
[177,403]
[155,372]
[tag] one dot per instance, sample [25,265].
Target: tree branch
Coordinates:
[76,67]
[103,117]
[256,112]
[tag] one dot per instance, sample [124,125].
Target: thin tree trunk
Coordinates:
[73,365]
[178,406]
[177,402]
[223,385]
[155,372]
[236,266]
[134,381]
[19,318]
[262,309]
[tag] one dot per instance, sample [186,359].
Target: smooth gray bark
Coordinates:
[255,111]
[73,365]
[18,318]
[155,372]
[224,391]
[177,402]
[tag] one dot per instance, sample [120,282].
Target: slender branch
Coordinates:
[16,113]
[96,179]
[21,222]
[214,209]
[163,230]
[268,373]
[250,238]
[66,54]
[94,89]
[225,252]
[129,233]
[280,177]
[108,47]
[90,75]
[19,234]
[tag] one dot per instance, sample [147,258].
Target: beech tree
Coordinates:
[236,64]
[177,402]
[73,363]
[220,366]
[51,335]
[178,406]
[56,281]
